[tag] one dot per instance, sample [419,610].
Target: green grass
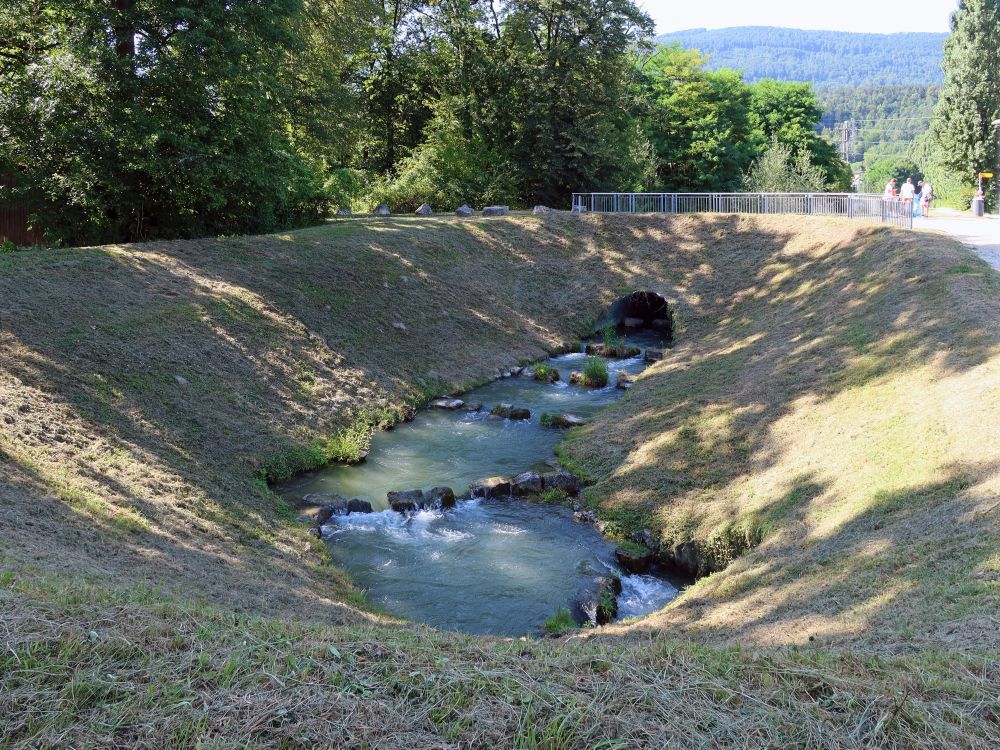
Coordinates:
[595,372]
[560,623]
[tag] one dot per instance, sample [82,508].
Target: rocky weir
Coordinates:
[462,518]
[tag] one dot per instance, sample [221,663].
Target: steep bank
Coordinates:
[143,386]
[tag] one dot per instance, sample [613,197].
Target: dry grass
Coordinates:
[833,397]
[839,405]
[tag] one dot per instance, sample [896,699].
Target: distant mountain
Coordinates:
[824,58]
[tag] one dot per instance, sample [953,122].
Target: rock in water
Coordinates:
[475,406]
[440,497]
[562,480]
[449,404]
[381,210]
[634,323]
[597,602]
[528,483]
[566,421]
[496,211]
[509,411]
[359,506]
[493,487]
[406,500]
[634,560]
[424,210]
[624,381]
[464,210]
[540,210]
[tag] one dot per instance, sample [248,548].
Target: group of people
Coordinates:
[917,196]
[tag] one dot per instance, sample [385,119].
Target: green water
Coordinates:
[499,566]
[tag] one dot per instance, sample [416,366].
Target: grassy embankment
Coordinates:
[834,399]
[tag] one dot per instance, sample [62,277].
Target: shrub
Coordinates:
[595,372]
[546,373]
[561,622]
[547,420]
[7,246]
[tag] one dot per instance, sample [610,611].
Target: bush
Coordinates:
[595,372]
[547,420]
[7,246]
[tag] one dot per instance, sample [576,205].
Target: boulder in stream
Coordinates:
[624,381]
[562,421]
[492,487]
[474,406]
[528,483]
[439,497]
[359,506]
[635,558]
[449,404]
[561,480]
[509,411]
[406,500]
[597,602]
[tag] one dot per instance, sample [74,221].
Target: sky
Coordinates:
[875,16]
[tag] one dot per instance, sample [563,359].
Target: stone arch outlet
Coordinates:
[639,310]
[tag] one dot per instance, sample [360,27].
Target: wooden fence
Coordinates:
[14,220]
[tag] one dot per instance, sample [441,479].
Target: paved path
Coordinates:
[981,233]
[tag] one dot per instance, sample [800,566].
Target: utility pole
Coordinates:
[845,139]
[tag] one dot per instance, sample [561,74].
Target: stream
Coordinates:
[496,567]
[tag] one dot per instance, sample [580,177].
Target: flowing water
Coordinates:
[486,566]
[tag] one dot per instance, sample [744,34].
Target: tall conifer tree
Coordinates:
[970,99]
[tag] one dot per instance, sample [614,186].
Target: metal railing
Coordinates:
[849,205]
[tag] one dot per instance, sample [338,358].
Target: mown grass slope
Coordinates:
[831,400]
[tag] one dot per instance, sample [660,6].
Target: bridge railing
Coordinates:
[863,206]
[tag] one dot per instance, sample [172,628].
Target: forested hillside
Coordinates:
[836,58]
[880,121]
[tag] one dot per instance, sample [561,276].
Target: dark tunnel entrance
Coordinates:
[640,310]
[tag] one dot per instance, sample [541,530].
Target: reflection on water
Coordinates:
[498,567]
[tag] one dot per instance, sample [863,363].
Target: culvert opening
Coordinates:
[640,310]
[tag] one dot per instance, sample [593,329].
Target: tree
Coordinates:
[782,170]
[788,112]
[879,173]
[696,121]
[970,99]
[143,118]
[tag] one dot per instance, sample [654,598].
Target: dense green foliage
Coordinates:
[837,58]
[150,119]
[706,128]
[965,140]
[147,118]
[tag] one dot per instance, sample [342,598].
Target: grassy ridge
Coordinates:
[830,403]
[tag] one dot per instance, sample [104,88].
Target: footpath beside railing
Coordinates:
[849,205]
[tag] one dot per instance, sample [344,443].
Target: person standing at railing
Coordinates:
[906,193]
[890,190]
[926,195]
